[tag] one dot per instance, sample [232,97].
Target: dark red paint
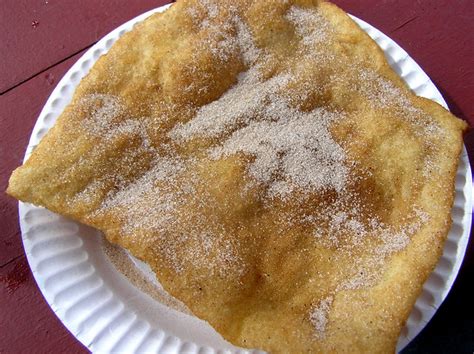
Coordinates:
[37,34]
[41,39]
[15,277]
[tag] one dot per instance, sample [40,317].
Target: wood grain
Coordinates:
[37,34]
[437,34]
[27,323]
[19,110]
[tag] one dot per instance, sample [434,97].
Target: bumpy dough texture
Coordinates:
[265,160]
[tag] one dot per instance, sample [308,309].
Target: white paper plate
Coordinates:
[107,313]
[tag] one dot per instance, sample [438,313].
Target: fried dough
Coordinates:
[264,159]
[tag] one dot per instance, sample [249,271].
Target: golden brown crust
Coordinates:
[334,265]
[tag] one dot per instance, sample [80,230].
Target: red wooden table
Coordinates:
[41,39]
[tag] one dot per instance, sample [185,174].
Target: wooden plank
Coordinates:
[437,34]
[19,109]
[36,34]
[27,324]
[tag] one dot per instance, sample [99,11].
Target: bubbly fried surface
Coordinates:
[265,160]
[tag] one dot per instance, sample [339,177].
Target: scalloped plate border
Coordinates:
[107,313]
